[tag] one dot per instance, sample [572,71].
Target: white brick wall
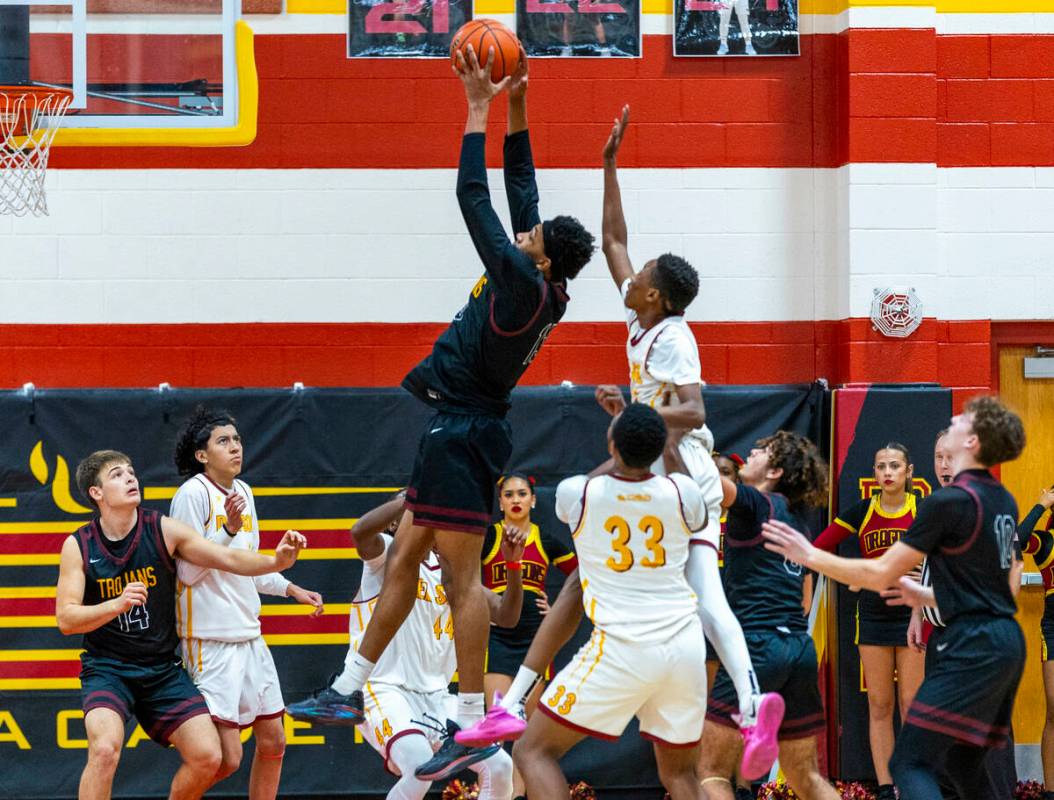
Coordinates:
[346,245]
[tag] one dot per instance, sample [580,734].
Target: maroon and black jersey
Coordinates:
[969,532]
[145,634]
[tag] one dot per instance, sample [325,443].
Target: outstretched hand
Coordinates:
[518,83]
[479,88]
[618,130]
[1046,498]
[783,539]
[907,592]
[288,549]
[306,597]
[610,399]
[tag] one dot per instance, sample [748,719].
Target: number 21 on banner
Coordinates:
[584,7]
[392,17]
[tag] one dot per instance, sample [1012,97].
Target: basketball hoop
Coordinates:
[29,118]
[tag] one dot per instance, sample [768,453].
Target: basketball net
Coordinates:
[28,122]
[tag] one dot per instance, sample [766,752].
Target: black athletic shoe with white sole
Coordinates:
[452,757]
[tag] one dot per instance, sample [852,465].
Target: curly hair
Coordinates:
[639,435]
[999,430]
[804,478]
[900,448]
[677,282]
[195,435]
[89,469]
[568,245]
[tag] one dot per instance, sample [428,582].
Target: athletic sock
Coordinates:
[470,708]
[356,672]
[522,685]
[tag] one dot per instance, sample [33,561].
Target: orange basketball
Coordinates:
[484,34]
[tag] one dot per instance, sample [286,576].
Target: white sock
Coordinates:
[470,708]
[357,671]
[522,685]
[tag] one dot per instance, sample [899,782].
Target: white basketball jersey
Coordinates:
[211,603]
[660,359]
[632,540]
[421,654]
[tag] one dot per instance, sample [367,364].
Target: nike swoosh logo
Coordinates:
[436,430]
[93,560]
[940,648]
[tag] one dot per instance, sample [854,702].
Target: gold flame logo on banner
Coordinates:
[60,486]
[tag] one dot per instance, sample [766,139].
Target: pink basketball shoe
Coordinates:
[760,747]
[498,725]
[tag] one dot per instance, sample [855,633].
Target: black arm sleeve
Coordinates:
[520,185]
[473,196]
[516,282]
[1030,522]
[750,509]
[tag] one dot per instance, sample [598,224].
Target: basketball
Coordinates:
[484,34]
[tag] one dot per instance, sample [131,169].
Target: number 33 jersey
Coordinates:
[632,539]
[421,654]
[144,634]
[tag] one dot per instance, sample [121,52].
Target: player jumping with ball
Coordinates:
[467,380]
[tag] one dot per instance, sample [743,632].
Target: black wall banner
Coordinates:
[317,459]
[699,24]
[865,419]
[404,28]
[588,28]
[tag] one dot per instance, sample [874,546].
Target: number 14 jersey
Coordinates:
[144,634]
[632,539]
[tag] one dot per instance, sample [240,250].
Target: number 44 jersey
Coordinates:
[145,634]
[632,539]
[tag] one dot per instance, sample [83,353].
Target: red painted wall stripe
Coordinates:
[374,354]
[890,95]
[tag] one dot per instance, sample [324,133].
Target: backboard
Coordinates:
[152,72]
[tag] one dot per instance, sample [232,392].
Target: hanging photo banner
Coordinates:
[583,28]
[406,29]
[735,28]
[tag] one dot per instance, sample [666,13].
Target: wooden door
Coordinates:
[1033,399]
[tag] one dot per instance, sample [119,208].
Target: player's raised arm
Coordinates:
[615,235]
[184,542]
[689,412]
[367,530]
[505,608]
[875,574]
[473,193]
[521,187]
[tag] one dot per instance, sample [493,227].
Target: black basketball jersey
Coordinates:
[969,532]
[479,358]
[764,589]
[145,634]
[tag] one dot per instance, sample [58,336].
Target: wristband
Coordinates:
[517,565]
[227,531]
